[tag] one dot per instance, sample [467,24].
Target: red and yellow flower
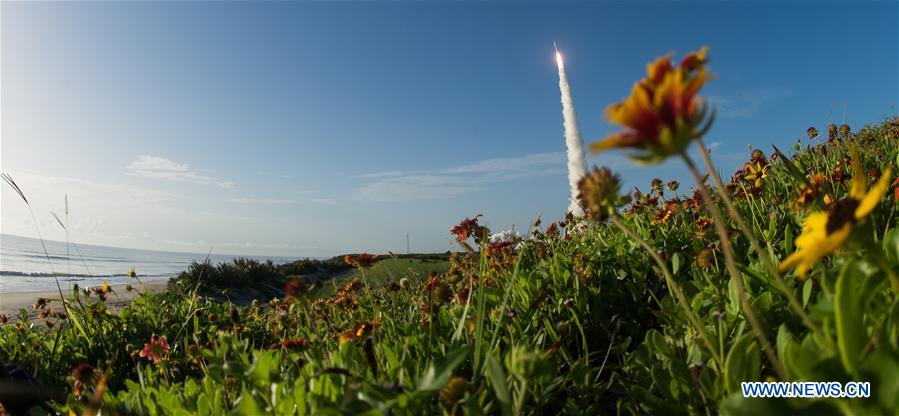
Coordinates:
[156,349]
[360,261]
[663,114]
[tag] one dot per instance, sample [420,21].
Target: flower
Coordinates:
[825,232]
[844,130]
[439,290]
[808,192]
[702,224]
[132,273]
[156,349]
[704,258]
[467,228]
[295,288]
[663,114]
[831,132]
[83,372]
[41,303]
[347,336]
[758,156]
[668,208]
[360,261]
[812,132]
[366,327]
[450,395]
[363,329]
[600,193]
[102,291]
[294,344]
[757,172]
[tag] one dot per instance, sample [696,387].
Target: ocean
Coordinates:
[24,266]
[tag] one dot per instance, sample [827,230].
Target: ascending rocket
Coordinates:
[573,141]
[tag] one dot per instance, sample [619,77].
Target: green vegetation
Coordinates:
[388,271]
[242,274]
[253,279]
[657,302]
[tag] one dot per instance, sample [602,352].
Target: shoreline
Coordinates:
[12,302]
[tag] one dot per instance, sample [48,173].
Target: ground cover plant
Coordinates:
[660,300]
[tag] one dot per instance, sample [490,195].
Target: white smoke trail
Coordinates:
[576,162]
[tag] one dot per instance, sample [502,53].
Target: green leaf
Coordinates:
[439,372]
[248,405]
[299,395]
[848,312]
[788,239]
[891,245]
[795,172]
[743,362]
[806,291]
[657,343]
[675,263]
[204,406]
[785,344]
[497,378]
[261,370]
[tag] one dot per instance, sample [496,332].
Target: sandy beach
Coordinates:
[11,303]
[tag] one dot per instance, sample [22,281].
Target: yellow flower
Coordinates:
[826,232]
[663,114]
[757,172]
[132,273]
[106,287]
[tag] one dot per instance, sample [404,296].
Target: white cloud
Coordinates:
[283,201]
[416,187]
[265,201]
[746,103]
[502,165]
[220,248]
[95,208]
[166,169]
[396,186]
[325,201]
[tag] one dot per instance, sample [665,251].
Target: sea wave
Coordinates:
[74,275]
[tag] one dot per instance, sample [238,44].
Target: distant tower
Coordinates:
[407,244]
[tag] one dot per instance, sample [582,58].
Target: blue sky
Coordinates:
[321,128]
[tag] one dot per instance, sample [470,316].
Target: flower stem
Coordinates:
[753,241]
[522,396]
[887,268]
[732,268]
[672,286]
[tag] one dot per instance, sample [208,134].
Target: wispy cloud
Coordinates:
[217,246]
[505,165]
[96,208]
[265,201]
[396,186]
[166,169]
[282,201]
[415,187]
[747,103]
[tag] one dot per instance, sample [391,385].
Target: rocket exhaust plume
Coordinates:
[576,162]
